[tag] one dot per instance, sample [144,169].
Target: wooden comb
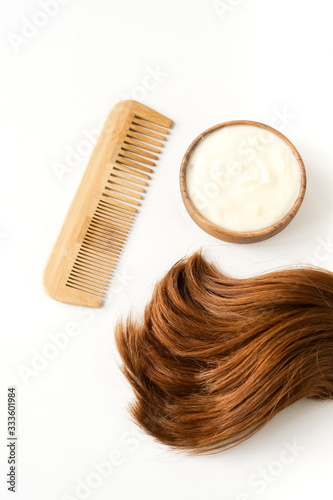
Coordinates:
[104,207]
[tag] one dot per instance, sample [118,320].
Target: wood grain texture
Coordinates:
[105,205]
[233,236]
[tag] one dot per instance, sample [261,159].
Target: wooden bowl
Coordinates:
[235,236]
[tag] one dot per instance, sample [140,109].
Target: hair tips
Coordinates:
[215,358]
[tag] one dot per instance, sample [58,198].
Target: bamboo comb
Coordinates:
[104,207]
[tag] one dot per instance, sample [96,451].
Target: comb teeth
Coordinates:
[104,208]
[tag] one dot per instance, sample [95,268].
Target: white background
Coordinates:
[252,59]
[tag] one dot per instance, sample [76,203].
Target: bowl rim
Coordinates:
[238,236]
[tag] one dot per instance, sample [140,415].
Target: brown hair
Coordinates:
[216,358]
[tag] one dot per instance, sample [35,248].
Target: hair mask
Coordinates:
[242,177]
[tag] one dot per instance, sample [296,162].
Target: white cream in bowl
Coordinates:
[243,177]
